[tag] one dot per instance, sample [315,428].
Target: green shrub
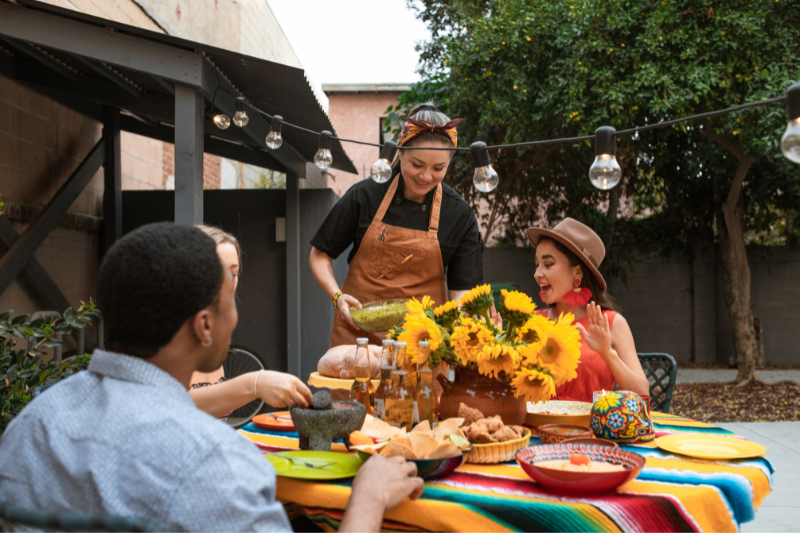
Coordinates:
[22,370]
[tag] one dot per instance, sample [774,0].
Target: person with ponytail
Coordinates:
[568,258]
[411,236]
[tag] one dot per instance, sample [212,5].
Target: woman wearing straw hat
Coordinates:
[567,261]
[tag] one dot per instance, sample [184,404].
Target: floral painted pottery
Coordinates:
[491,396]
[622,416]
[580,481]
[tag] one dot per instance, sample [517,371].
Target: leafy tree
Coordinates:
[520,70]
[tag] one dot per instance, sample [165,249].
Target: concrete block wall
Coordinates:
[677,306]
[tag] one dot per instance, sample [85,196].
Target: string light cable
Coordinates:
[604,173]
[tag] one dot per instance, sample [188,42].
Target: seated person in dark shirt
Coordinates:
[124,436]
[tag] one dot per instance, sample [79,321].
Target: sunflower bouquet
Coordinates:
[534,353]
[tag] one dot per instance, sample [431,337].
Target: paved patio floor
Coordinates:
[780,510]
[719,375]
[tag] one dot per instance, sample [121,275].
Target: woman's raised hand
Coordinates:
[599,335]
[344,304]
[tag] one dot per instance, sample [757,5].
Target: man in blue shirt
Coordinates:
[125,438]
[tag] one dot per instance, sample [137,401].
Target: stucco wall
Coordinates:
[357,116]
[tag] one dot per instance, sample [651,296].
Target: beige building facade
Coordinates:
[357,111]
[41,142]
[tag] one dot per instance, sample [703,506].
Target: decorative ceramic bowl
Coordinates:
[558,412]
[380,316]
[598,442]
[555,433]
[622,416]
[430,469]
[580,481]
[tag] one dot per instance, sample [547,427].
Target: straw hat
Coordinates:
[580,239]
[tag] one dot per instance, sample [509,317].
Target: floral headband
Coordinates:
[414,128]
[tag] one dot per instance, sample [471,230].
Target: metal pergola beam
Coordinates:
[189,125]
[114,48]
[293,285]
[112,179]
[41,57]
[23,249]
[258,129]
[111,76]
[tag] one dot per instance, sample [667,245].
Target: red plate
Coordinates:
[580,481]
[284,423]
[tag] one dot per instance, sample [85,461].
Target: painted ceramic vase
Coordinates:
[622,416]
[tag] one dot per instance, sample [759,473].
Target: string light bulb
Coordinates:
[222,121]
[605,172]
[274,137]
[485,177]
[240,118]
[323,158]
[790,141]
[381,170]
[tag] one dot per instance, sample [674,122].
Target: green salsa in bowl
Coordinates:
[380,316]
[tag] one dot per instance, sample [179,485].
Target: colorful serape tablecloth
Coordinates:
[672,493]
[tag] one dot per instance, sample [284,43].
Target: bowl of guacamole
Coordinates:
[380,316]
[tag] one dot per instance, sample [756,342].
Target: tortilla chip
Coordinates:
[394,448]
[423,444]
[380,430]
[423,426]
[371,449]
[405,441]
[447,427]
[445,449]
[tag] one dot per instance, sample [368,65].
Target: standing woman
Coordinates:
[411,236]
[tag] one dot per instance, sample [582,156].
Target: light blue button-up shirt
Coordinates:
[125,438]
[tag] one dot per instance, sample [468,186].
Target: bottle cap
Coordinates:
[387,342]
[424,344]
[362,339]
[400,344]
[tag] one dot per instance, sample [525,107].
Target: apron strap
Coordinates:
[433,225]
[387,200]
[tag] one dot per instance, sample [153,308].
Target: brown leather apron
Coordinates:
[382,268]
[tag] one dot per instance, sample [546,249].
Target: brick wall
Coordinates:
[678,306]
[212,172]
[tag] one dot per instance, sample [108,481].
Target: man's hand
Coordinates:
[282,390]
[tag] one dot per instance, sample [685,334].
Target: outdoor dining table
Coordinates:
[672,493]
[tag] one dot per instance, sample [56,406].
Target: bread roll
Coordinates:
[339,362]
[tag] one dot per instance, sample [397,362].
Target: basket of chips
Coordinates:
[499,452]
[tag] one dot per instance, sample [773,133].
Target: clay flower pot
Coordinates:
[491,396]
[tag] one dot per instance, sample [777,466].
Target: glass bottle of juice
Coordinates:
[399,402]
[362,390]
[387,357]
[426,405]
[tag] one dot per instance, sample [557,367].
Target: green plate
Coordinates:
[343,466]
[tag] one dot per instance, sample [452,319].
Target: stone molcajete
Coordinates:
[326,421]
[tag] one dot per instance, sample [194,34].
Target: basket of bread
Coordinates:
[492,441]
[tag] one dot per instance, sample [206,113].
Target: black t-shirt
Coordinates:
[459,235]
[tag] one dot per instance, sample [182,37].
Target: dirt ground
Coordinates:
[720,402]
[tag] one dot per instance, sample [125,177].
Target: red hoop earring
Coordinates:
[579,296]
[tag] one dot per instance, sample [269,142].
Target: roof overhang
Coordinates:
[86,62]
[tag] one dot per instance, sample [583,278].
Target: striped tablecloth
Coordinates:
[672,493]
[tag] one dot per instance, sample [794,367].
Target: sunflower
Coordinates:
[560,348]
[416,307]
[447,314]
[535,385]
[530,331]
[420,328]
[478,301]
[516,308]
[468,339]
[498,357]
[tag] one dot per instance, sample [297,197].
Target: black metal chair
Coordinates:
[242,360]
[14,518]
[662,372]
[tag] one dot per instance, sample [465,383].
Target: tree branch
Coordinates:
[745,160]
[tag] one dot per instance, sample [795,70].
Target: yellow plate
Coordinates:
[332,465]
[710,446]
[564,412]
[324,382]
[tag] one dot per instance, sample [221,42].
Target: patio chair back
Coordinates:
[661,371]
[242,360]
[14,518]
